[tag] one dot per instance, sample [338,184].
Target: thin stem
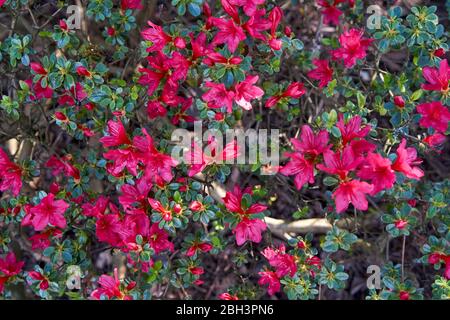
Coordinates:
[403,257]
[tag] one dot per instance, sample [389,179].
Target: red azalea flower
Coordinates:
[198,246]
[406,162]
[131,4]
[353,191]
[43,281]
[330,13]
[218,96]
[41,241]
[227,296]
[257,24]
[9,267]
[229,33]
[246,229]
[82,71]
[158,166]
[49,211]
[157,206]
[109,287]
[246,91]
[275,17]
[63,25]
[155,109]
[323,72]
[271,279]
[435,140]
[39,91]
[438,79]
[159,239]
[404,295]
[135,194]
[156,35]
[401,224]
[196,270]
[249,6]
[38,68]
[108,229]
[434,115]
[379,171]
[353,47]
[399,102]
[294,91]
[111,31]
[10,174]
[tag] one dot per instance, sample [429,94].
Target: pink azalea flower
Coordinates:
[340,163]
[2,2]
[353,47]
[200,159]
[137,194]
[352,129]
[249,6]
[438,79]
[218,96]
[117,135]
[122,158]
[275,17]
[246,91]
[283,262]
[353,191]
[247,228]
[271,279]
[158,166]
[379,171]
[302,168]
[323,72]
[301,163]
[49,211]
[434,115]
[10,175]
[407,162]
[229,33]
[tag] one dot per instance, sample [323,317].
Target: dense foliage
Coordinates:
[94,204]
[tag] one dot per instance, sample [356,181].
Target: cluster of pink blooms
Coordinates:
[352,159]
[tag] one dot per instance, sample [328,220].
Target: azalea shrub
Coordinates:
[95,204]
